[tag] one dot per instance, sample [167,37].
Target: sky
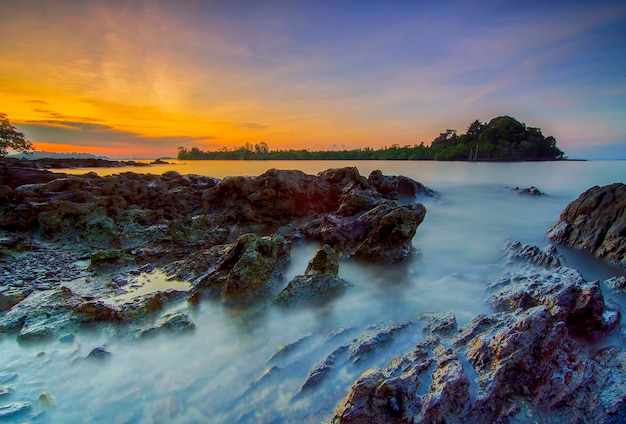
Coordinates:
[140,78]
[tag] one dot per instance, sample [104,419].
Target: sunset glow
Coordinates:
[140,78]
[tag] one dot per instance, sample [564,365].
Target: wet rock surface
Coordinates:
[596,222]
[73,244]
[320,278]
[525,362]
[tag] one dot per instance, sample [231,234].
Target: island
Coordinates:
[502,139]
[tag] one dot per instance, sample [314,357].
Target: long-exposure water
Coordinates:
[228,370]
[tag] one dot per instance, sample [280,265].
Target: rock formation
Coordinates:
[596,223]
[522,363]
[229,238]
[320,278]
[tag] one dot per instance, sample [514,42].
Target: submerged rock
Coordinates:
[99,353]
[529,191]
[596,223]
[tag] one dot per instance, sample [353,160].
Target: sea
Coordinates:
[249,365]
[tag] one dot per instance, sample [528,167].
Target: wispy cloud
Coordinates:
[305,72]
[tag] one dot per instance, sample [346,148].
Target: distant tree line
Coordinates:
[502,139]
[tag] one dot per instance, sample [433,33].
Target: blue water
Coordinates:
[210,375]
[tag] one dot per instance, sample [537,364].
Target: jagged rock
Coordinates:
[275,196]
[578,304]
[322,368]
[376,336]
[382,234]
[392,231]
[320,278]
[14,173]
[616,283]
[596,222]
[524,360]
[110,257]
[399,187]
[248,269]
[123,221]
[523,252]
[440,324]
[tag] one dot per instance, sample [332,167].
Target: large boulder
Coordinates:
[381,234]
[596,222]
[399,187]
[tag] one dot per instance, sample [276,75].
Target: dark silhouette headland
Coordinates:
[502,139]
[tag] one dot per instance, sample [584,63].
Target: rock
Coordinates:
[176,322]
[376,336]
[119,280]
[529,191]
[320,278]
[12,297]
[45,399]
[392,232]
[616,283]
[15,173]
[276,196]
[285,349]
[142,307]
[99,353]
[578,304]
[532,254]
[67,338]
[525,361]
[6,391]
[596,223]
[110,257]
[94,311]
[182,223]
[440,324]
[248,269]
[40,314]
[322,368]
[197,230]
[399,187]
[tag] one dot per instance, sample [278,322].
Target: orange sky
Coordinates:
[140,78]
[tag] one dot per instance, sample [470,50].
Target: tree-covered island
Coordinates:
[502,139]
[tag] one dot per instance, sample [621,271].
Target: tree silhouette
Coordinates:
[11,138]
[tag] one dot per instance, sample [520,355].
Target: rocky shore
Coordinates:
[69,243]
[74,251]
[596,223]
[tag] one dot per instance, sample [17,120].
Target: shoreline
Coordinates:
[76,241]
